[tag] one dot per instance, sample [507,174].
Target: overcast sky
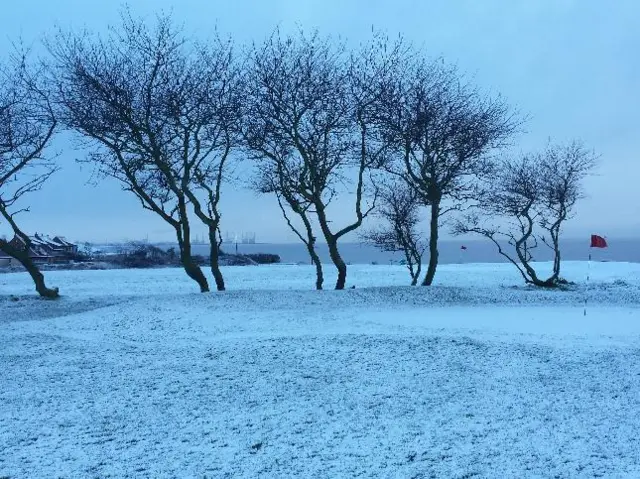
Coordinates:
[572,65]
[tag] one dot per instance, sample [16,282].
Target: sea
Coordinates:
[450,251]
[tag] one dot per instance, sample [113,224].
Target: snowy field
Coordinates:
[134,374]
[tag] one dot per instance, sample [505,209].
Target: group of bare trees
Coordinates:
[160,114]
[396,134]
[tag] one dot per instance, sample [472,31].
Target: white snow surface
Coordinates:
[134,374]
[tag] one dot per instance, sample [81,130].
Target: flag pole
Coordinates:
[463,248]
[596,242]
[586,292]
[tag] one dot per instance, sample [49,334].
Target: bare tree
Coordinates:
[158,112]
[398,208]
[533,196]
[305,105]
[274,178]
[210,122]
[442,131]
[27,125]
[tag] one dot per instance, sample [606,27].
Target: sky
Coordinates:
[572,66]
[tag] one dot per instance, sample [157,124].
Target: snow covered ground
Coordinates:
[134,374]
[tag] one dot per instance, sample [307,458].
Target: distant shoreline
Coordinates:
[478,251]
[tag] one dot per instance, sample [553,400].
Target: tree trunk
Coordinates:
[315,260]
[215,261]
[413,259]
[556,267]
[416,276]
[194,272]
[341,266]
[38,279]
[212,221]
[190,267]
[311,247]
[183,232]
[332,243]
[32,269]
[433,245]
[556,257]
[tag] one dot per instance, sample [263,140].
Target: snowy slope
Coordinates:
[134,375]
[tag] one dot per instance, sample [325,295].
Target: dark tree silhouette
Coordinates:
[442,131]
[398,209]
[211,122]
[533,195]
[159,113]
[309,106]
[27,125]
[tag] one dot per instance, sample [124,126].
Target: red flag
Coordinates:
[598,242]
